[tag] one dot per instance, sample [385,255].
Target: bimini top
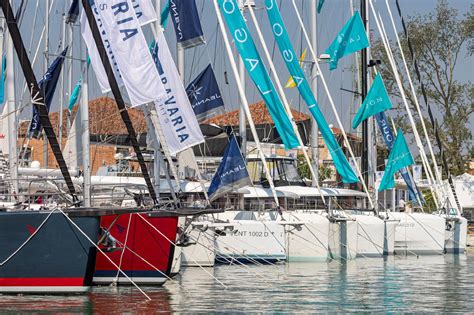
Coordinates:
[260,192]
[302,191]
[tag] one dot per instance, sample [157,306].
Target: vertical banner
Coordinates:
[130,51]
[177,120]
[256,69]
[186,23]
[93,53]
[48,86]
[347,173]
[204,95]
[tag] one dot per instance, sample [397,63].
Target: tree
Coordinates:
[439,39]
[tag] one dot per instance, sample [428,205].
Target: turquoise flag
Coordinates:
[2,79]
[376,101]
[399,158]
[75,95]
[164,14]
[291,60]
[350,39]
[320,5]
[256,69]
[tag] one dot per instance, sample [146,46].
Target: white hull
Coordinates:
[390,231]
[455,234]
[343,239]
[202,253]
[371,236]
[251,241]
[419,233]
[306,235]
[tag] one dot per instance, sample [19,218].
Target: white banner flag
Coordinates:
[127,48]
[177,119]
[417,172]
[145,11]
[94,56]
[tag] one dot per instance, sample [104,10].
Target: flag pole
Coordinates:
[242,118]
[314,84]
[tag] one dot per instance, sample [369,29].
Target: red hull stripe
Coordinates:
[43,282]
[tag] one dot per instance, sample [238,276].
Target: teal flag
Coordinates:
[376,101]
[291,60]
[350,39]
[399,158]
[165,13]
[75,95]
[2,79]
[320,5]
[256,69]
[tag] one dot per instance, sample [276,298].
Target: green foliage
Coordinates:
[325,172]
[439,39]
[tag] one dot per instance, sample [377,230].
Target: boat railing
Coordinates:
[34,192]
[120,195]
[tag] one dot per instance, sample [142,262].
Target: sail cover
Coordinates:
[204,95]
[284,44]
[256,69]
[232,173]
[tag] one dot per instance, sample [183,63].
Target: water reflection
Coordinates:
[397,283]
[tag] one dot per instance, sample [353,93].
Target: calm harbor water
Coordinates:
[427,283]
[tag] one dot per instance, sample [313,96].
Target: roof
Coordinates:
[259,113]
[104,119]
[302,191]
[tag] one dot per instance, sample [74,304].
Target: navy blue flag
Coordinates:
[204,95]
[389,139]
[232,173]
[73,12]
[186,23]
[47,85]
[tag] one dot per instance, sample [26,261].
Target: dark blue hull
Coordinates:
[58,258]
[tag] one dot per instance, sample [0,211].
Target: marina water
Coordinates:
[397,283]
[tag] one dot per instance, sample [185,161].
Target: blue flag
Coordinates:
[47,85]
[75,95]
[73,12]
[389,139]
[350,39]
[186,23]
[376,101]
[399,158]
[2,79]
[232,173]
[204,95]
[256,69]
[288,53]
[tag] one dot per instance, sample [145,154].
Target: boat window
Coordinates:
[245,215]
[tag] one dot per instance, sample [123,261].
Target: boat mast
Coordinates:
[364,85]
[118,96]
[242,118]
[314,85]
[12,115]
[84,112]
[36,94]
[45,69]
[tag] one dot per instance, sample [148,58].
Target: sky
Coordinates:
[333,16]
